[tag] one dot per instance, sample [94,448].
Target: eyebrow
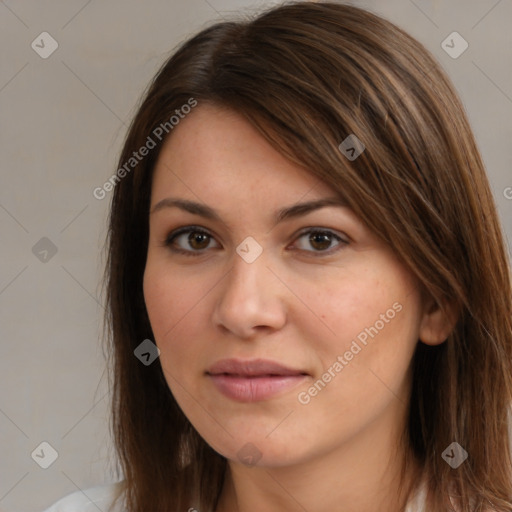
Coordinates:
[296,210]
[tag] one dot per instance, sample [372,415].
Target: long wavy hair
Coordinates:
[307,75]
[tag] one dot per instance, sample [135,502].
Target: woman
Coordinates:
[302,225]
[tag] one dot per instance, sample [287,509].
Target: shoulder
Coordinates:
[90,500]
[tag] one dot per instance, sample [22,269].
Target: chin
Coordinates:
[261,451]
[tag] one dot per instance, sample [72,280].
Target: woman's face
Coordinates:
[257,277]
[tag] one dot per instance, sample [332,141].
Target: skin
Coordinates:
[295,305]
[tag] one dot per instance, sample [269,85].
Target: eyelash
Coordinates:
[195,229]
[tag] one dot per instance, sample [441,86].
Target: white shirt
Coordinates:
[101,497]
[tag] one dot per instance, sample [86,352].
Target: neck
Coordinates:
[363,474]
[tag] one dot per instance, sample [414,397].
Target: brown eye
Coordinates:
[198,240]
[320,241]
[191,241]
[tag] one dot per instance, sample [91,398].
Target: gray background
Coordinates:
[62,124]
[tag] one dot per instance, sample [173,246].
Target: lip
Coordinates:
[253,380]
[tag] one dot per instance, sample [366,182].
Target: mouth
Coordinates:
[253,380]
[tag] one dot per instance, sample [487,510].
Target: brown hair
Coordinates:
[307,75]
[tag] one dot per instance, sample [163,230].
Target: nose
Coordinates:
[250,299]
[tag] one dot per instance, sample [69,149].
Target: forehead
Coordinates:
[216,151]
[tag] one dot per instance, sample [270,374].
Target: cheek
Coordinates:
[375,324]
[169,297]
[371,315]
[174,308]
[345,310]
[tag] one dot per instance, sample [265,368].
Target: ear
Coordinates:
[437,321]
